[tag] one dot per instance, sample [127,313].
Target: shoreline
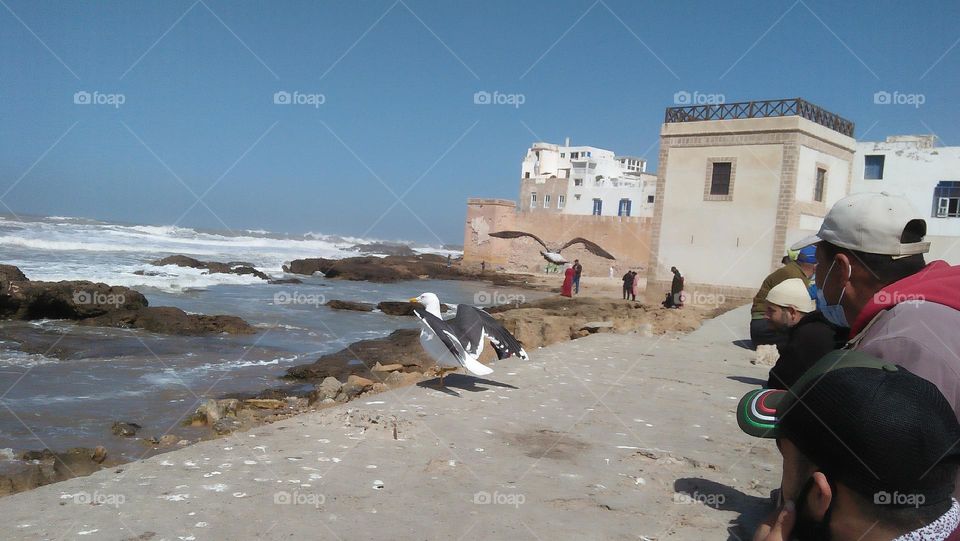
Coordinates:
[223,414]
[585,426]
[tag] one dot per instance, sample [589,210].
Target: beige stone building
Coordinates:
[626,237]
[737,184]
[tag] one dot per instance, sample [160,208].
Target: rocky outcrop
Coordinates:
[233,267]
[383,248]
[397,308]
[401,347]
[8,274]
[45,467]
[380,269]
[350,305]
[170,320]
[28,300]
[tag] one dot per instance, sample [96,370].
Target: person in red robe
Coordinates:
[567,289]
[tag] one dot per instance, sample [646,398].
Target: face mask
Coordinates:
[805,528]
[833,312]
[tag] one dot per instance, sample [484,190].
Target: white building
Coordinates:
[585,180]
[911,165]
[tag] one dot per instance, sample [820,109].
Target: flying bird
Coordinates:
[458,342]
[553,256]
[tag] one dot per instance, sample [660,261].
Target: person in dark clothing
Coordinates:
[628,284]
[809,335]
[760,330]
[676,289]
[577,270]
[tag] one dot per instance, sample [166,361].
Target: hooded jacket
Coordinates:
[915,323]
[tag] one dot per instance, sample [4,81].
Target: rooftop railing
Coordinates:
[761,109]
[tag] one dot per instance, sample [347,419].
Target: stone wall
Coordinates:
[627,238]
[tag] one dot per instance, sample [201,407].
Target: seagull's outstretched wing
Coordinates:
[475,326]
[591,247]
[450,337]
[518,234]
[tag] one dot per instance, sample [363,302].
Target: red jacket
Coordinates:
[938,282]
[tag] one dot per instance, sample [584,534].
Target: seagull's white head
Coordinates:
[429,301]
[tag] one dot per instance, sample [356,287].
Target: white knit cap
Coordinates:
[792,292]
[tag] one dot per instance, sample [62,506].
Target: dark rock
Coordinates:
[380,269]
[233,267]
[402,346]
[350,305]
[47,467]
[285,281]
[27,300]
[396,308]
[384,248]
[9,273]
[170,320]
[127,430]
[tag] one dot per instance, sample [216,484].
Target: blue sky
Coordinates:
[397,79]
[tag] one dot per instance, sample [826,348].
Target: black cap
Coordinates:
[877,428]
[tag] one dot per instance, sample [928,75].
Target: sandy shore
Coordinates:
[606,437]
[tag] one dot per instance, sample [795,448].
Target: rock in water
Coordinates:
[350,305]
[170,320]
[127,430]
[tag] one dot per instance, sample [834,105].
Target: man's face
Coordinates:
[796,469]
[779,317]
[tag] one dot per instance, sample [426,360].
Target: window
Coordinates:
[533,199]
[526,175]
[576,196]
[650,198]
[873,167]
[597,207]
[720,178]
[561,201]
[818,187]
[563,154]
[946,199]
[546,201]
[578,182]
[624,208]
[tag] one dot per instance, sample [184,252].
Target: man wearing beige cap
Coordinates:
[871,276]
[809,335]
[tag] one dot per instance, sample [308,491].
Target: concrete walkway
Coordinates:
[606,437]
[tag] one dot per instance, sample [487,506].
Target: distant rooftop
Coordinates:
[761,109]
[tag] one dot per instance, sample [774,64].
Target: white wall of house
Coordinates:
[912,167]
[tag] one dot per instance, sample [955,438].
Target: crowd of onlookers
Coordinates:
[864,398]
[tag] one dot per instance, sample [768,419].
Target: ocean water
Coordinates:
[63,385]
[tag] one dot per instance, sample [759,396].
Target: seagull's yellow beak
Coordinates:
[414,300]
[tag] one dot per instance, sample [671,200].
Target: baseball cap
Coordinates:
[792,292]
[874,223]
[874,426]
[808,254]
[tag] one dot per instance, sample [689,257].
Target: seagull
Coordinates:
[553,256]
[458,342]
